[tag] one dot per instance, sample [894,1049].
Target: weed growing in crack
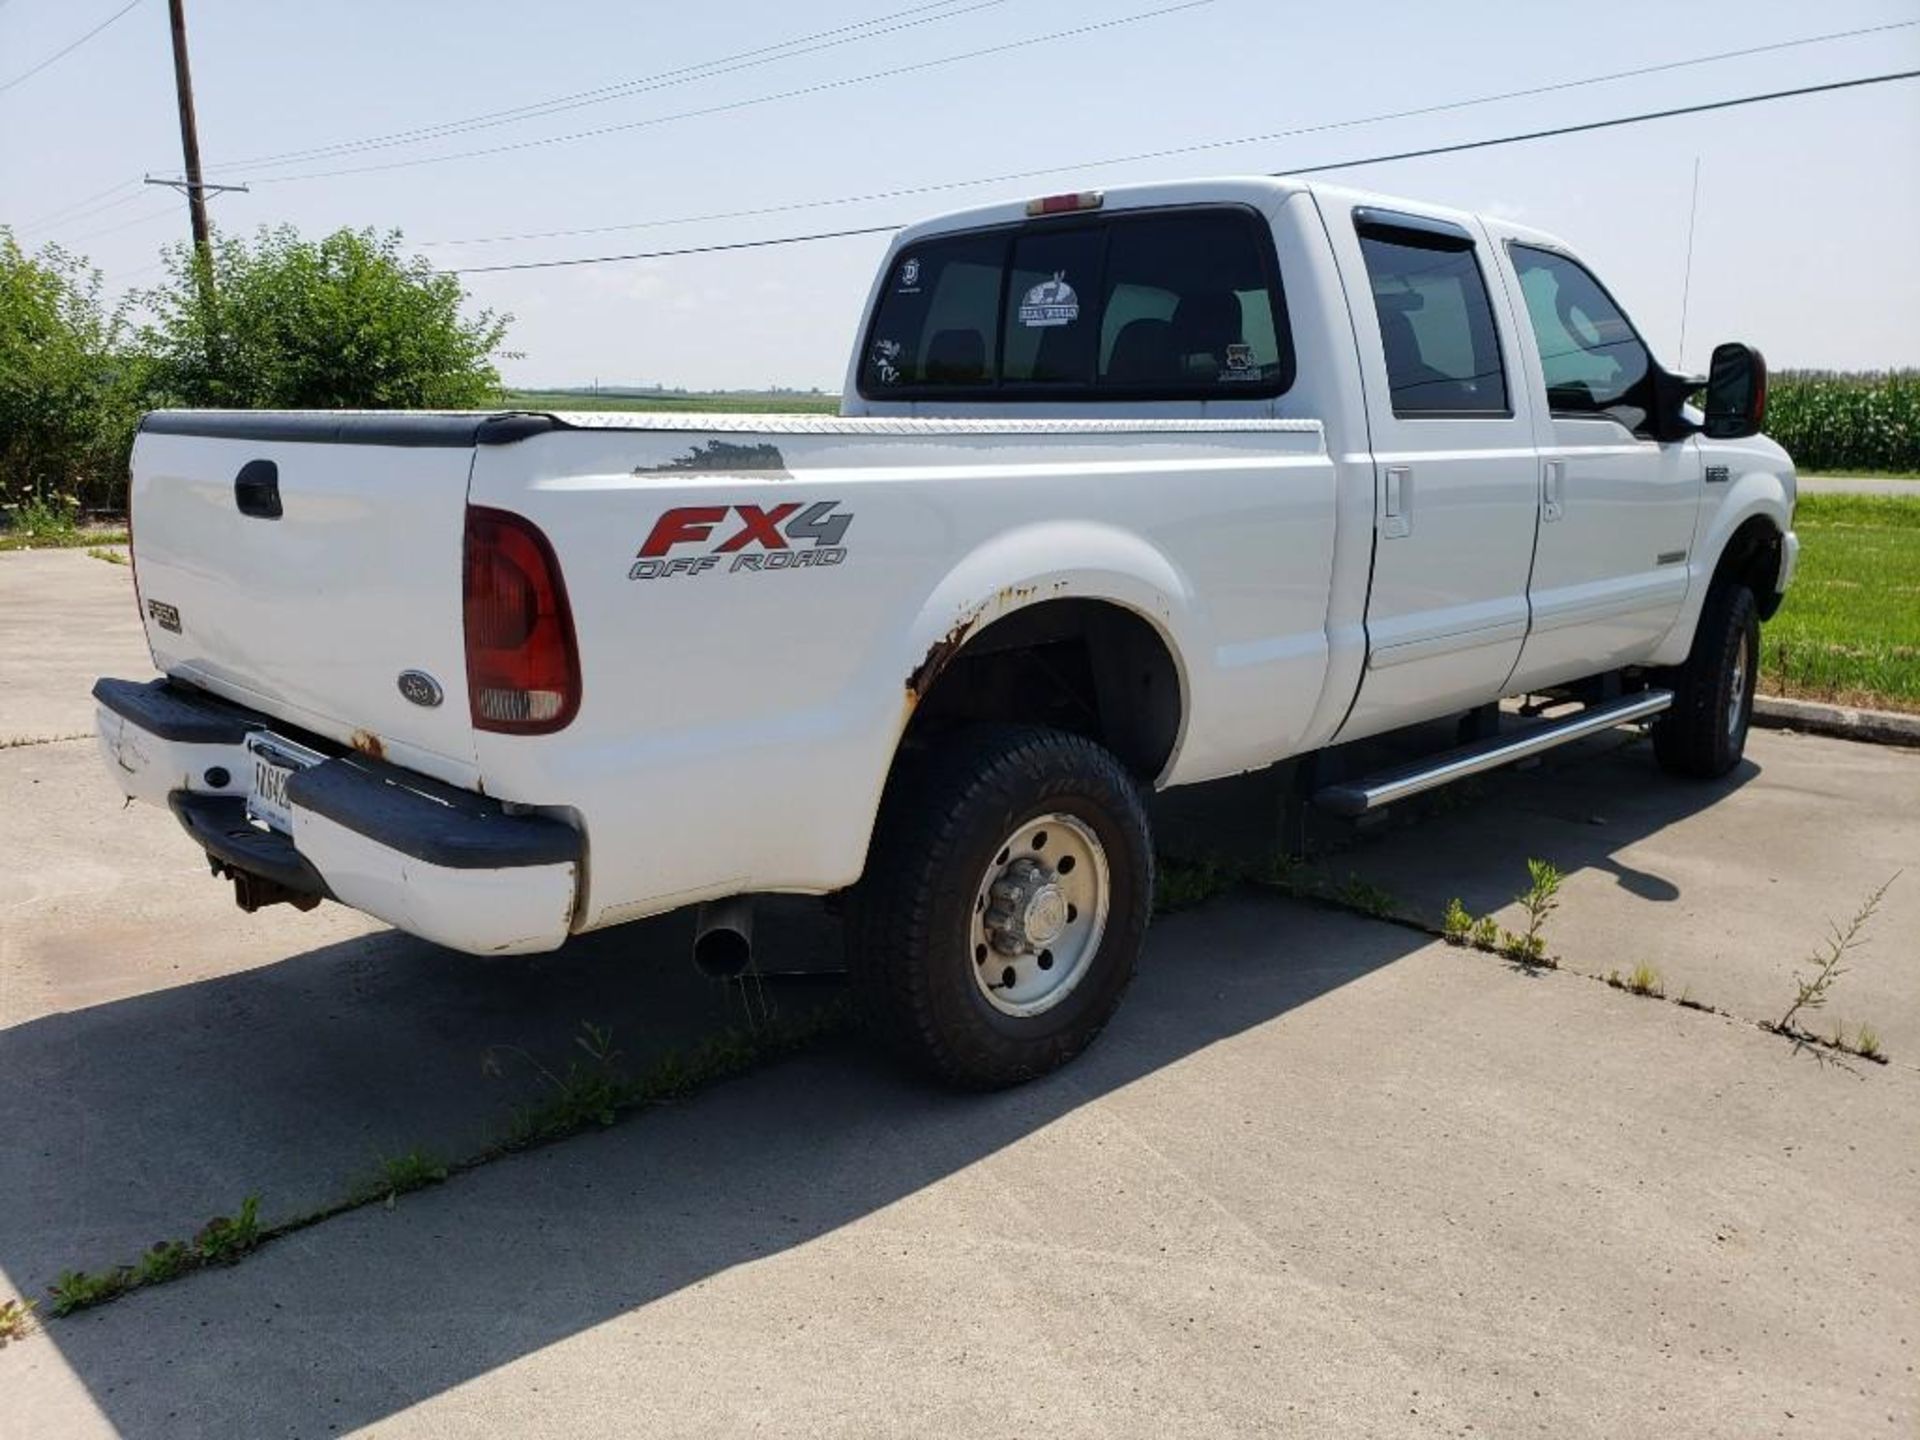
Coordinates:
[401,1174]
[1643,979]
[589,1092]
[16,1320]
[1539,900]
[1528,947]
[222,1240]
[1181,884]
[1367,898]
[1866,1043]
[80,1289]
[161,1262]
[1811,989]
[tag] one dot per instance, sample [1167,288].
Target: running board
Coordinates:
[1357,797]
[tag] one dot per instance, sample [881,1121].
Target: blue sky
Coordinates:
[1808,208]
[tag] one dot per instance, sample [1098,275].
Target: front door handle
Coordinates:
[1396,509]
[1553,480]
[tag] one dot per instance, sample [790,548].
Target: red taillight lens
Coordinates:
[523,667]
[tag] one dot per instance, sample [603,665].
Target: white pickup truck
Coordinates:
[1129,490]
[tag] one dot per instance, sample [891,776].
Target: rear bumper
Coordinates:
[442,863]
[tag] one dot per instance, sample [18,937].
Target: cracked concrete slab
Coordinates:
[1725,888]
[1321,1176]
[1318,1178]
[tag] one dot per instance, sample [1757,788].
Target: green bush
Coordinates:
[70,392]
[344,322]
[1839,421]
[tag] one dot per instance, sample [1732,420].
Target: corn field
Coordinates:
[1839,422]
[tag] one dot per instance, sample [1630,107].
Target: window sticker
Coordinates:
[1239,357]
[886,361]
[910,276]
[1049,304]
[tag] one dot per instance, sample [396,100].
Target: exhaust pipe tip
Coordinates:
[723,939]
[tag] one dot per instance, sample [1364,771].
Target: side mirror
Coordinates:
[1736,392]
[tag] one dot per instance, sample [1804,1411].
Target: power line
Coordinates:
[143,219]
[687,74]
[751,102]
[1457,148]
[1169,152]
[80,209]
[1592,125]
[688,250]
[67,50]
[85,208]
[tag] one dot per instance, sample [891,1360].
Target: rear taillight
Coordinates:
[523,668]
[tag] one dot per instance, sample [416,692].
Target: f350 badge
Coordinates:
[744,538]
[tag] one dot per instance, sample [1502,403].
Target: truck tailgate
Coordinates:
[301,565]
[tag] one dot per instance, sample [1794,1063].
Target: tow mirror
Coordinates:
[1736,392]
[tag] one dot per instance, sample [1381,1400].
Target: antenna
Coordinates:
[1686,284]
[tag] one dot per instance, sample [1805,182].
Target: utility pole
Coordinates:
[196,188]
[189,134]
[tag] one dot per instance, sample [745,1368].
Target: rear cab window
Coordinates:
[1171,304]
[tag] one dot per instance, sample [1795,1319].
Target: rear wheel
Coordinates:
[1004,903]
[1704,734]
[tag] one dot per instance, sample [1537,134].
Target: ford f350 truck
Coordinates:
[1129,490]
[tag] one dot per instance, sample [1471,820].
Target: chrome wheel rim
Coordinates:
[1038,915]
[1737,697]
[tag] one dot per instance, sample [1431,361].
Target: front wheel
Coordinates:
[1704,734]
[1004,904]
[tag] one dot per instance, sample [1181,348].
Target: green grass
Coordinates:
[1850,628]
[74,539]
[1862,472]
[741,403]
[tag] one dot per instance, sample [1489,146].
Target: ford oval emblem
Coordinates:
[421,688]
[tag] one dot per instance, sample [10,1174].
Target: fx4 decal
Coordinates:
[744,538]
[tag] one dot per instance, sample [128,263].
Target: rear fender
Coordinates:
[1035,564]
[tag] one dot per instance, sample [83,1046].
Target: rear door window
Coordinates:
[1168,304]
[1436,322]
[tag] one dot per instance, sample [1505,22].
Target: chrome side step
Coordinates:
[1357,797]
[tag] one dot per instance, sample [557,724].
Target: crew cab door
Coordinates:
[1617,507]
[1456,477]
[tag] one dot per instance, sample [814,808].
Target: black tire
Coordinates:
[947,814]
[1704,734]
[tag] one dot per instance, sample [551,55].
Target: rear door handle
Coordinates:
[1553,480]
[256,490]
[1396,511]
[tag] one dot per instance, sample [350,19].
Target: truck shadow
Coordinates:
[135,1121]
[1579,808]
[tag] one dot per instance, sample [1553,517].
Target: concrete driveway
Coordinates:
[1323,1176]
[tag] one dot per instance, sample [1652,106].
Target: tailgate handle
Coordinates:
[256,489]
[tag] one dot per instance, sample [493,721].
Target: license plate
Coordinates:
[274,760]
